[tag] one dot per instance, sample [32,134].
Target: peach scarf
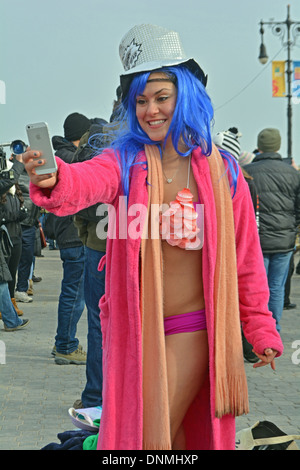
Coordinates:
[231,396]
[231,384]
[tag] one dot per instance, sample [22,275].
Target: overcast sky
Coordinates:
[61,56]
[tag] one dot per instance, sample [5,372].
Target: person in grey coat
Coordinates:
[278,187]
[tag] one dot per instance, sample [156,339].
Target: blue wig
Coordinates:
[191,122]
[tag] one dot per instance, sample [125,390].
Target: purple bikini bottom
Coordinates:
[185,322]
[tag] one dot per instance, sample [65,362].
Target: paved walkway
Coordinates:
[35,393]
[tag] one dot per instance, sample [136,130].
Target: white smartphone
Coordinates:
[39,139]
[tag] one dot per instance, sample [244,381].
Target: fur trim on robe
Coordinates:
[98,180]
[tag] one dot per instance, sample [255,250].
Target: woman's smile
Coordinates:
[156,123]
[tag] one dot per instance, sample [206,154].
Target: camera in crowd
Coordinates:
[16,148]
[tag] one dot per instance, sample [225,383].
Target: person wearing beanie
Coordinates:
[269,140]
[67,349]
[228,140]
[278,187]
[75,126]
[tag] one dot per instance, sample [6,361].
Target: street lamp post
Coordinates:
[289,29]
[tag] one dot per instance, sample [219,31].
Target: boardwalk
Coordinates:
[35,393]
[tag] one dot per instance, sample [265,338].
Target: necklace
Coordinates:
[178,225]
[169,180]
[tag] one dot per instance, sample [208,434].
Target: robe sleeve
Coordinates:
[80,185]
[258,324]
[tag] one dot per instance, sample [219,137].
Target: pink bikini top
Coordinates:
[178,225]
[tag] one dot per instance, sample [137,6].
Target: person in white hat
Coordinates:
[229,141]
[179,276]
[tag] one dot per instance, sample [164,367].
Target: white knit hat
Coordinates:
[228,140]
[149,47]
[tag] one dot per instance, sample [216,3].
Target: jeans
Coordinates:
[277,268]
[9,315]
[71,300]
[13,263]
[94,289]
[287,288]
[28,240]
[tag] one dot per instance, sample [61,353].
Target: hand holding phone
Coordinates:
[39,139]
[33,160]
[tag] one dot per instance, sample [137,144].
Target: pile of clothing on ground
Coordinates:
[85,436]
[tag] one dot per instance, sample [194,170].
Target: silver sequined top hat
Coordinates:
[149,47]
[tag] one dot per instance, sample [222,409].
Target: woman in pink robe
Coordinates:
[157,110]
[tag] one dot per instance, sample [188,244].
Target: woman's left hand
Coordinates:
[266,358]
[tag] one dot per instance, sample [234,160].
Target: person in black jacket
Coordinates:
[13,212]
[71,304]
[9,315]
[29,226]
[11,320]
[278,187]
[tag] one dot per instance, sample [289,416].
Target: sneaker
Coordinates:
[15,328]
[22,297]
[289,306]
[36,278]
[53,352]
[76,357]
[78,405]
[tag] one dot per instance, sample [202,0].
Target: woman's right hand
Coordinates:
[33,159]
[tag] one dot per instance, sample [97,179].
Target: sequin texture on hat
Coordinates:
[149,47]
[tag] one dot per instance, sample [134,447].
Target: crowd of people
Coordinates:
[274,184]
[165,363]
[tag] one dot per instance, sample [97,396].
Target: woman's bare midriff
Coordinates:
[183,286]
[182,269]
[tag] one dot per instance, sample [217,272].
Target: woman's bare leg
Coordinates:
[187,364]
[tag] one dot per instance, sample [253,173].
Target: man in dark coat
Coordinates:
[278,187]
[71,301]
[10,318]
